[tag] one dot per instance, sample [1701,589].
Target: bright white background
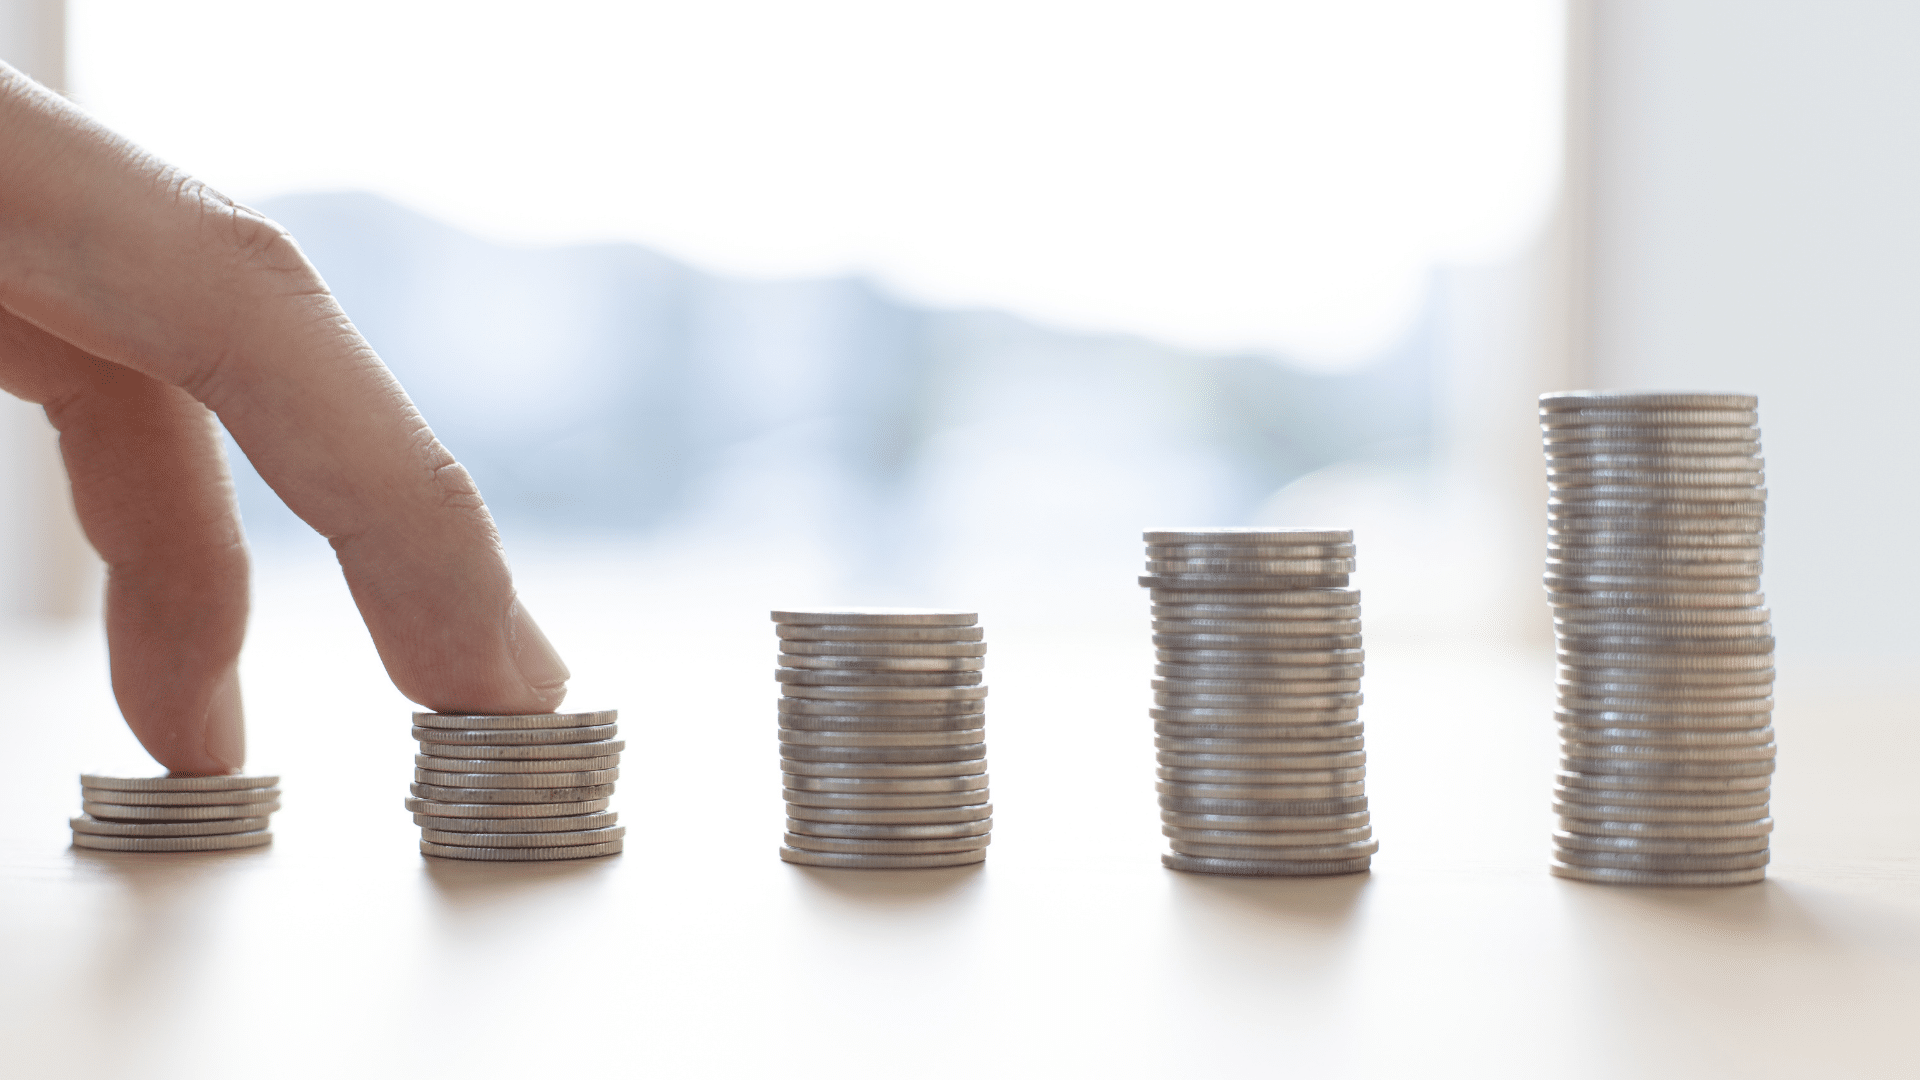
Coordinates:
[1277,174]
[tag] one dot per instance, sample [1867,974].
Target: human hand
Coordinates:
[137,305]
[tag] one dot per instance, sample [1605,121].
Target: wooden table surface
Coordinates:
[340,951]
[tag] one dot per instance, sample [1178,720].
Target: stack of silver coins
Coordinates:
[1257,701]
[883,738]
[175,813]
[517,788]
[1665,644]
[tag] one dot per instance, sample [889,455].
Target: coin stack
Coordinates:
[175,813]
[517,788]
[883,738]
[1257,701]
[1655,517]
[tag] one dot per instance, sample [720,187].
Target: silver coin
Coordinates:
[922,755]
[1756,736]
[176,783]
[1628,696]
[1669,721]
[885,740]
[541,780]
[1686,863]
[1600,876]
[1627,651]
[1174,744]
[179,798]
[1257,703]
[1740,461]
[1287,567]
[1572,814]
[1264,868]
[1640,705]
[1247,534]
[498,811]
[1354,850]
[530,721]
[1686,680]
[1237,732]
[1669,830]
[883,663]
[1260,627]
[890,832]
[521,854]
[1255,643]
[1705,574]
[1594,782]
[837,861]
[840,800]
[227,812]
[882,649]
[1737,440]
[791,706]
[579,793]
[1602,766]
[1637,752]
[1260,672]
[883,770]
[569,823]
[877,617]
[1557,582]
[1675,599]
[1654,539]
[534,767]
[557,752]
[1639,845]
[1665,800]
[1317,596]
[1260,762]
[844,846]
[846,692]
[530,737]
[1265,718]
[891,818]
[1250,551]
[1262,688]
[881,725]
[575,838]
[1244,823]
[1561,412]
[854,786]
[1304,808]
[1271,582]
[87,823]
[1664,633]
[1560,400]
[883,635]
[1587,551]
[1251,777]
[1259,792]
[223,842]
[1269,839]
[1301,658]
[875,679]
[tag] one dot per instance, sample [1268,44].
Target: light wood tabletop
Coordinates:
[340,951]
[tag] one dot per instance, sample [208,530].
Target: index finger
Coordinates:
[137,263]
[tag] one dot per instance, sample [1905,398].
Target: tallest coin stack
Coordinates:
[1655,518]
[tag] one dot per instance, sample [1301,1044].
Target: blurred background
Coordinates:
[926,303]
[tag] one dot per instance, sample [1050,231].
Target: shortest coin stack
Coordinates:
[883,738]
[517,788]
[175,813]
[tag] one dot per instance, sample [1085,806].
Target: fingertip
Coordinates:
[535,657]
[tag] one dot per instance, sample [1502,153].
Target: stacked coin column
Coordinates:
[1656,515]
[517,788]
[882,738]
[1257,701]
[175,813]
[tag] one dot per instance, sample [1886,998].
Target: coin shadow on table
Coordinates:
[889,888]
[1763,909]
[471,885]
[1328,902]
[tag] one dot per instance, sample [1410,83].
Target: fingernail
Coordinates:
[533,654]
[226,730]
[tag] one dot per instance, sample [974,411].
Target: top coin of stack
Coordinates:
[517,788]
[1257,701]
[882,738]
[1656,513]
[175,813]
